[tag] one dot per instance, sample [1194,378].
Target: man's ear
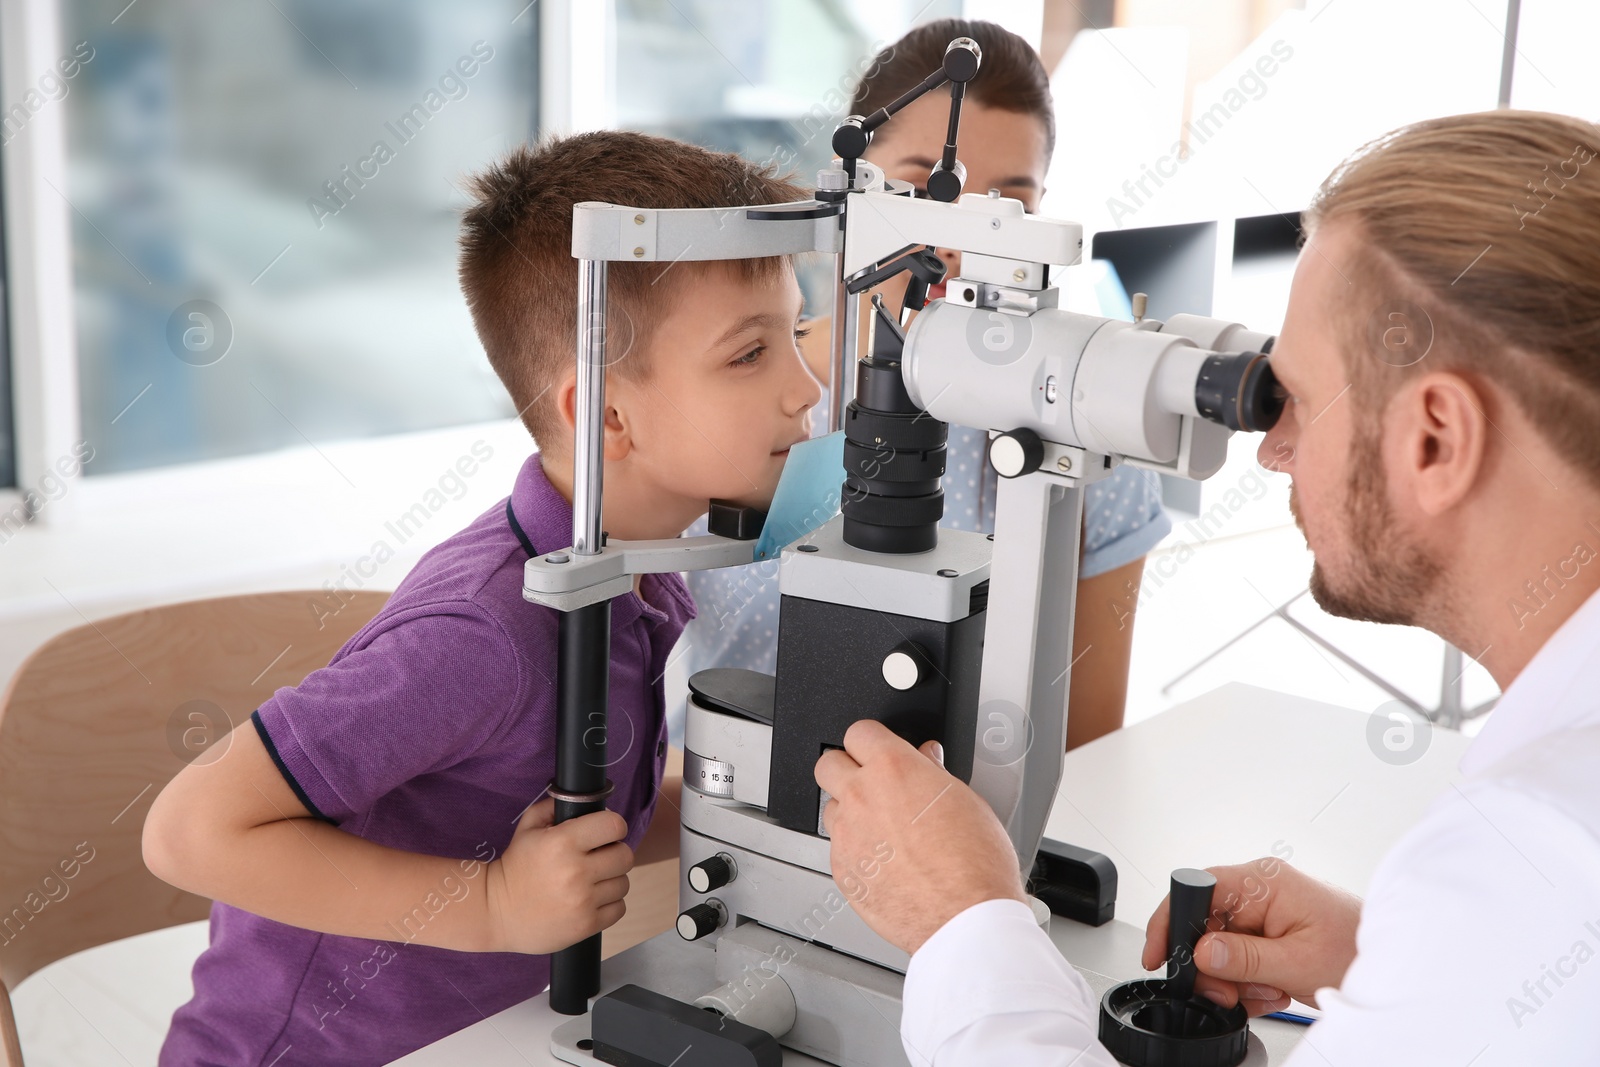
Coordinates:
[618,438]
[1444,432]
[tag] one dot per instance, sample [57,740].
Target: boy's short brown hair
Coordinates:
[517,270]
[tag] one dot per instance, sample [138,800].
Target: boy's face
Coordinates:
[725,393]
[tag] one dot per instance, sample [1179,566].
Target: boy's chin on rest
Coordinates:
[760,501]
[743,495]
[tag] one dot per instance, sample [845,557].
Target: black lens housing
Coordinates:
[894,458]
[1239,390]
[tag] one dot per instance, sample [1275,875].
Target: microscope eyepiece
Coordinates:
[1239,391]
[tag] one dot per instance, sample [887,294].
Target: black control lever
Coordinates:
[926,269]
[962,58]
[1160,1022]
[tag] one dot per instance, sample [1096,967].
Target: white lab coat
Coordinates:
[1479,941]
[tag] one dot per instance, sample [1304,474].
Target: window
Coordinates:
[8,441]
[769,80]
[265,215]
[1182,112]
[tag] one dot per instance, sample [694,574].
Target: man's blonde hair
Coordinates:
[1479,252]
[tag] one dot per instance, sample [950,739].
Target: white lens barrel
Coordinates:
[1217,334]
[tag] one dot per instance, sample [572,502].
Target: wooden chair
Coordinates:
[93,725]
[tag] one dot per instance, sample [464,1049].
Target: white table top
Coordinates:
[1226,776]
[1220,779]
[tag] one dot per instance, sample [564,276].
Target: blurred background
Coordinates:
[229,271]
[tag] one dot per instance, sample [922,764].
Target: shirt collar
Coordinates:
[1556,691]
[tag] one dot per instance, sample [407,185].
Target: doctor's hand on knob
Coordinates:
[911,846]
[1274,933]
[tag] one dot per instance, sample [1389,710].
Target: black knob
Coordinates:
[944,183]
[1191,891]
[1016,453]
[850,141]
[962,57]
[701,919]
[713,873]
[1159,1022]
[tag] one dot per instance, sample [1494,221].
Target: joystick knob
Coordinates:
[1015,453]
[1160,1022]
[713,873]
[701,919]
[1190,906]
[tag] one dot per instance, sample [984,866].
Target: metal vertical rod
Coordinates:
[842,371]
[588,446]
[583,655]
[1508,58]
[1452,710]
[838,349]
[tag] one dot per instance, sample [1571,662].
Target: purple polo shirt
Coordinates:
[431,730]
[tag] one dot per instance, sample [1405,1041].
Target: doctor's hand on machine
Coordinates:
[1276,932]
[946,850]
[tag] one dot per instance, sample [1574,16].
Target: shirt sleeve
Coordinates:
[990,987]
[1123,520]
[1477,944]
[416,696]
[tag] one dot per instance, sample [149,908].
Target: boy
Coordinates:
[377,839]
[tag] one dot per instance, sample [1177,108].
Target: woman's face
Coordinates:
[1002,150]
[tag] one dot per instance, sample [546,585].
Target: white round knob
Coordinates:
[900,670]
[713,873]
[1006,455]
[702,919]
[1016,453]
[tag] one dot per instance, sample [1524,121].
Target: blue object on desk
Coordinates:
[808,493]
[1290,1017]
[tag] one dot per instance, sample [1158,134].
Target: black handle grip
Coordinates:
[1190,907]
[583,681]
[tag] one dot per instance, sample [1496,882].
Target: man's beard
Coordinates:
[1389,579]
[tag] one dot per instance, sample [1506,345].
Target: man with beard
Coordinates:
[1441,360]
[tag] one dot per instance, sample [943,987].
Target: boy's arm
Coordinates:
[229,827]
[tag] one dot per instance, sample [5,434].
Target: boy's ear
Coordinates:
[618,439]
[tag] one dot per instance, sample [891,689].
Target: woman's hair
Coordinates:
[1479,251]
[1011,77]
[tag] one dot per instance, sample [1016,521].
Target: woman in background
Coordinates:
[1007,137]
